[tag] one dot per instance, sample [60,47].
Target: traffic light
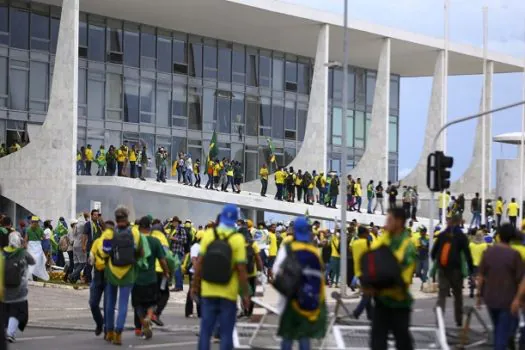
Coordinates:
[438,171]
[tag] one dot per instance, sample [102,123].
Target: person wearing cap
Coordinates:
[303,317]
[218,301]
[119,279]
[34,237]
[422,244]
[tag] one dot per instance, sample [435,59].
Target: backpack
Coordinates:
[63,243]
[319,183]
[123,248]
[250,258]
[380,268]
[13,272]
[217,262]
[289,179]
[287,281]
[445,251]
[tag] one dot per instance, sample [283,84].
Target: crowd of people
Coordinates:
[15,146]
[144,261]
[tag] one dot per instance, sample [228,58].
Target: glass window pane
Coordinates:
[350,128]
[278,119]
[351,86]
[265,118]
[4,22]
[179,101]
[289,115]
[82,34]
[209,110]
[223,115]
[370,88]
[278,74]
[238,66]
[337,122]
[131,100]
[114,91]
[291,72]
[225,64]
[164,54]
[55,24]
[115,39]
[147,48]
[39,26]
[178,144]
[131,48]
[196,60]
[392,137]
[3,75]
[394,94]
[163,105]
[338,85]
[19,28]
[95,96]
[289,155]
[195,111]
[147,101]
[38,79]
[210,62]
[180,57]
[251,169]
[96,43]
[303,78]
[359,125]
[360,79]
[302,113]
[265,71]
[237,114]
[82,76]
[251,69]
[18,89]
[252,116]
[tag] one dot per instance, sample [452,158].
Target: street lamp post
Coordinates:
[344,156]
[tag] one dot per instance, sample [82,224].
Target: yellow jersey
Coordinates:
[334,244]
[216,169]
[132,155]
[298,181]
[359,247]
[238,246]
[280,176]
[499,207]
[272,244]
[477,250]
[89,154]
[443,200]
[100,263]
[263,173]
[256,252]
[122,156]
[358,190]
[512,209]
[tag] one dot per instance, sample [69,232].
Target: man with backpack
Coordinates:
[221,267]
[451,252]
[121,247]
[290,185]
[300,282]
[253,267]
[386,272]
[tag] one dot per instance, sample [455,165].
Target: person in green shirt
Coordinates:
[370,195]
[34,232]
[6,227]
[145,291]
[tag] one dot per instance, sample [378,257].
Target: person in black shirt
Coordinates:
[392,195]
[475,208]
[379,198]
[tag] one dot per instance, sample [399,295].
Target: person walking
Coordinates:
[334,191]
[132,154]
[89,159]
[370,195]
[500,272]
[477,247]
[393,305]
[280,176]
[143,164]
[68,270]
[303,316]
[92,230]
[15,306]
[449,250]
[414,201]
[79,254]
[197,173]
[189,262]
[360,246]
[98,284]
[188,170]
[513,211]
[122,158]
[422,244]
[81,165]
[161,164]
[407,200]
[499,211]
[178,242]
[121,247]
[111,161]
[475,209]
[101,161]
[220,273]
[379,198]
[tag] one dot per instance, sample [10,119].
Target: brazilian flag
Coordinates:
[272,150]
[213,151]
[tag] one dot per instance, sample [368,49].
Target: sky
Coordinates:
[506,34]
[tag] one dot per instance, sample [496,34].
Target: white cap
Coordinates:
[73,221]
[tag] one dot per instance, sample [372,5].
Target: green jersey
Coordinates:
[148,276]
[34,234]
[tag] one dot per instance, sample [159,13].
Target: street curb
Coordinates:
[41,325]
[56,286]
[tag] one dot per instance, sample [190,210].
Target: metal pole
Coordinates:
[444,108]
[344,157]
[484,120]
[522,146]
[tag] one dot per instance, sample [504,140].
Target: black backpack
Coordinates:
[250,258]
[289,179]
[217,262]
[380,269]
[288,279]
[13,274]
[123,248]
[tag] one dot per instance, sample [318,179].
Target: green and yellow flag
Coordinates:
[213,151]
[272,150]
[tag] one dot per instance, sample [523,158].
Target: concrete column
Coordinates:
[374,163]
[470,181]
[418,175]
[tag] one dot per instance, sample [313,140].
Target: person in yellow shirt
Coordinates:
[217,173]
[132,154]
[477,247]
[513,211]
[89,159]
[299,184]
[263,175]
[443,200]
[272,249]
[122,157]
[210,165]
[280,177]
[358,192]
[499,211]
[254,265]
[360,246]
[335,258]
[219,298]
[98,283]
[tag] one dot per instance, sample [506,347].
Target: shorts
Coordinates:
[144,295]
[270,261]
[237,181]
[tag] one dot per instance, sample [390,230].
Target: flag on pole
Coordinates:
[272,150]
[213,151]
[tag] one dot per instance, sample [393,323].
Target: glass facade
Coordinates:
[165,88]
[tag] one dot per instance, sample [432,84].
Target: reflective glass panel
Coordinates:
[265,71]
[291,72]
[163,105]
[147,49]
[277,119]
[251,69]
[360,79]
[38,81]
[238,108]
[19,28]
[131,100]
[4,22]
[394,94]
[195,111]
[225,64]
[301,121]
[196,60]
[114,91]
[180,57]
[96,43]
[3,75]
[209,109]
[350,128]
[265,118]
[82,34]
[115,39]
[278,74]
[303,78]
[131,48]
[95,95]
[164,54]
[147,101]
[223,115]
[252,116]
[39,29]
[178,144]
[18,89]
[82,98]
[289,115]
[179,101]
[238,66]
[337,115]
[370,88]
[210,62]
[338,85]
[55,24]
[392,137]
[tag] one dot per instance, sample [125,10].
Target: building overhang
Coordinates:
[511,138]
[293,29]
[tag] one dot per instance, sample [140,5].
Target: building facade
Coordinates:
[160,87]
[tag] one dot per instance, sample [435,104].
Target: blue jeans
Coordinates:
[81,169]
[476,219]
[215,310]
[504,327]
[230,182]
[189,176]
[179,277]
[96,290]
[111,300]
[422,269]
[279,194]
[287,344]
[370,200]
[333,201]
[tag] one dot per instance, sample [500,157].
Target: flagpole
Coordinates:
[484,120]
[344,156]
[522,146]
[444,97]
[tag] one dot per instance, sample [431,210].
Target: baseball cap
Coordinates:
[229,215]
[301,229]
[35,219]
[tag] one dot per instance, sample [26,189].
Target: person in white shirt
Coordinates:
[192,259]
